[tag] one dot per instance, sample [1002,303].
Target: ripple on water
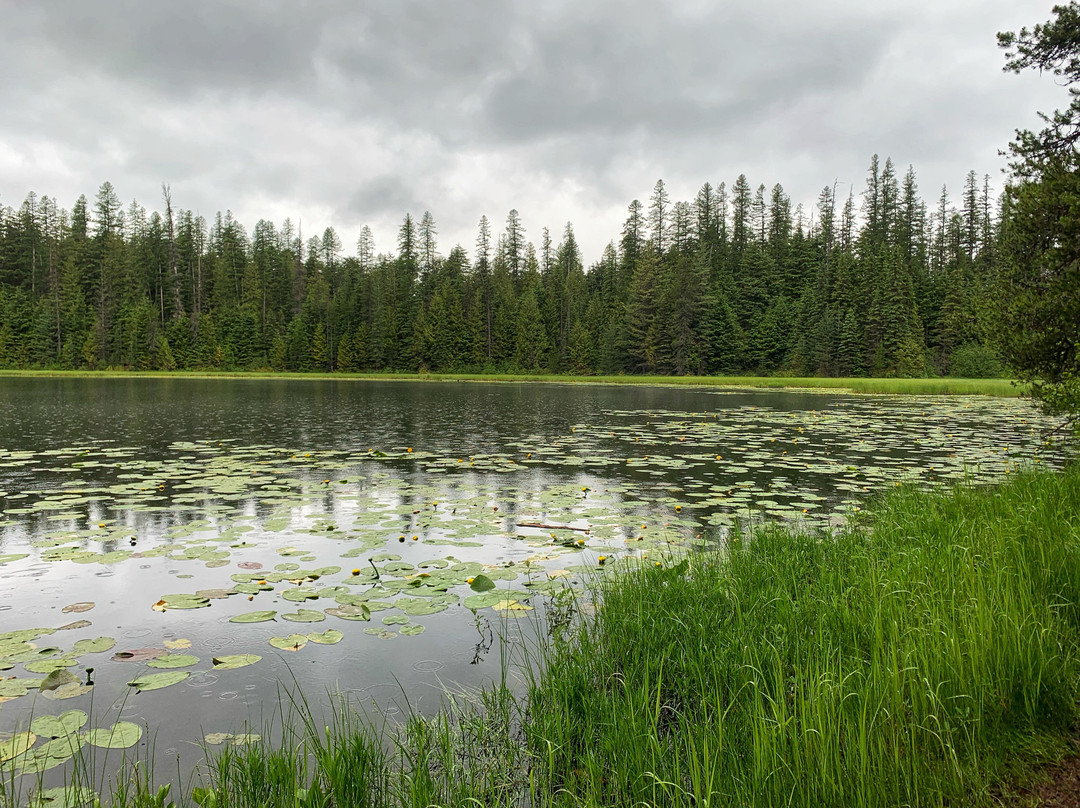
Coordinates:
[202,679]
[428,665]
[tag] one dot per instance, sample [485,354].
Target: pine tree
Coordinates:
[320,355]
[531,337]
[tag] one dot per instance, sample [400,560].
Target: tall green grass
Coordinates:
[919,663]
[928,658]
[889,386]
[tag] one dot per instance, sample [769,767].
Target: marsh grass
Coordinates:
[920,663]
[928,658]
[886,386]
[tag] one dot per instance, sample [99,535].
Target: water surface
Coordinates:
[141,496]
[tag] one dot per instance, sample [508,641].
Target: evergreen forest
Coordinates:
[738,280]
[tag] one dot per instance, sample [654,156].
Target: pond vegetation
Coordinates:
[926,660]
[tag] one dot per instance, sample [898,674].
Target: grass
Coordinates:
[928,386]
[924,660]
[922,663]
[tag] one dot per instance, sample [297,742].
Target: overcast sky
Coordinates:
[350,113]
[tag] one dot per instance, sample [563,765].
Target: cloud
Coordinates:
[342,113]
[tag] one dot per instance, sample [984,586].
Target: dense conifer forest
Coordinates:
[735,281]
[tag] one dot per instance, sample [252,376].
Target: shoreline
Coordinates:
[944,386]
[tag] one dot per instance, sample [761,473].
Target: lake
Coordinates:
[215,541]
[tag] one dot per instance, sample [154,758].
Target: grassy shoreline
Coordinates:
[882,386]
[932,659]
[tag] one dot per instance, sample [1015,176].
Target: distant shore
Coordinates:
[943,386]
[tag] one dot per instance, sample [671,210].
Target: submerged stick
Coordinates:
[552,527]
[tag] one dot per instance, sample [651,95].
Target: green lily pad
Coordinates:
[184,601]
[482,600]
[68,691]
[50,665]
[58,678]
[228,663]
[56,726]
[156,681]
[395,620]
[121,735]
[381,633]
[50,754]
[64,797]
[294,642]
[328,637]
[300,594]
[412,630]
[16,745]
[173,661]
[351,612]
[253,617]
[95,645]
[305,616]
[481,583]
[417,607]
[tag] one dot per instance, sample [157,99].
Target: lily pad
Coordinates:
[481,583]
[181,601]
[156,681]
[173,661]
[16,745]
[351,612]
[50,665]
[381,633]
[227,663]
[412,630]
[305,616]
[82,606]
[178,644]
[56,726]
[74,625]
[395,620]
[64,797]
[511,606]
[215,593]
[121,735]
[68,691]
[253,617]
[294,642]
[50,754]
[138,655]
[329,637]
[96,645]
[57,678]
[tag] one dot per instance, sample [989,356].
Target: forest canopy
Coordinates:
[736,280]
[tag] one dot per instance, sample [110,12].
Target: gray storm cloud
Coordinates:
[343,113]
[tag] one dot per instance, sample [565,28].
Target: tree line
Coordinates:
[735,281]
